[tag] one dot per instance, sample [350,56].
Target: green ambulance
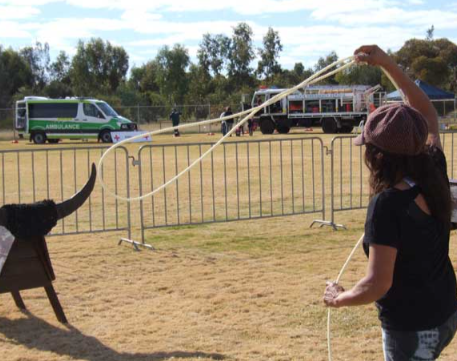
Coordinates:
[43,119]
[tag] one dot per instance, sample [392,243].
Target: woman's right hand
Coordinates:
[372,55]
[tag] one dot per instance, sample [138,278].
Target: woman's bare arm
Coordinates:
[416,98]
[370,288]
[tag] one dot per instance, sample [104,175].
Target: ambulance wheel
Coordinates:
[39,137]
[329,126]
[267,126]
[105,136]
[53,141]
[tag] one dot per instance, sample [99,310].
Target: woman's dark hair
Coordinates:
[388,169]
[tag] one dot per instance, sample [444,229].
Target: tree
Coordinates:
[15,74]
[144,78]
[59,74]
[199,84]
[38,60]
[366,75]
[171,75]
[299,69]
[241,55]
[57,89]
[98,67]
[433,61]
[59,70]
[431,70]
[324,62]
[268,64]
[213,52]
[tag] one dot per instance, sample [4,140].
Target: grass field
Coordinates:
[248,290]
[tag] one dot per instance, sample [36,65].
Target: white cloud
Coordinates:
[148,25]
[17,12]
[28,2]
[395,15]
[13,30]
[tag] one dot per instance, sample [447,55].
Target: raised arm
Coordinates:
[373,55]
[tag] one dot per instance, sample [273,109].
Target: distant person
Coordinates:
[228,123]
[175,118]
[239,131]
[223,124]
[251,127]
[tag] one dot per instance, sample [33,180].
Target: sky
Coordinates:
[308,29]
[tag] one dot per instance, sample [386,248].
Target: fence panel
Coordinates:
[239,180]
[349,175]
[28,176]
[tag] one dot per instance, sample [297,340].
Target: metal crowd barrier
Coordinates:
[349,188]
[32,175]
[240,180]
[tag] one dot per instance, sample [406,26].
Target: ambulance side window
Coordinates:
[91,111]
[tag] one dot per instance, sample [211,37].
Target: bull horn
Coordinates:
[67,207]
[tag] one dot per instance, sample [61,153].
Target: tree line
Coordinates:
[224,70]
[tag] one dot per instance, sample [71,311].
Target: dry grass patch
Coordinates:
[232,291]
[247,290]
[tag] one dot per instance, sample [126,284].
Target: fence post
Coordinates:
[135,244]
[331,223]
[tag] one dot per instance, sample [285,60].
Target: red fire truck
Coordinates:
[336,108]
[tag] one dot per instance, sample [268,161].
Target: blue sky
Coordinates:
[308,28]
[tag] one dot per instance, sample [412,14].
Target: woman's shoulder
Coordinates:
[389,200]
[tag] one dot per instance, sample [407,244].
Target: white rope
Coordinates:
[329,312]
[395,85]
[250,113]
[329,345]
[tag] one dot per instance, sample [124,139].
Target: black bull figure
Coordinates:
[28,264]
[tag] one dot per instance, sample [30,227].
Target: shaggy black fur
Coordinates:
[27,220]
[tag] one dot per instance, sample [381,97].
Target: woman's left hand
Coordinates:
[332,291]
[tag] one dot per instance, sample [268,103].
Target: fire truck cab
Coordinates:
[336,108]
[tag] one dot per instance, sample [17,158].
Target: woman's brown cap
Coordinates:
[395,128]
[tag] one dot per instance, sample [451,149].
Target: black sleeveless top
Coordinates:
[423,293]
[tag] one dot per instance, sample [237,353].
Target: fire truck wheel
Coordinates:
[307,123]
[267,126]
[283,129]
[346,129]
[329,126]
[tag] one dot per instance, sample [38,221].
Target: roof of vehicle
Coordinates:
[61,100]
[322,88]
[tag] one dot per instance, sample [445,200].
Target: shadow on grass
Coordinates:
[37,334]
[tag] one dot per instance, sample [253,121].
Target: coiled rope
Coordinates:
[315,78]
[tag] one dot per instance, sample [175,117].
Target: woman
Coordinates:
[407,229]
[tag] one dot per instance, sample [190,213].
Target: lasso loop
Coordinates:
[349,61]
[250,113]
